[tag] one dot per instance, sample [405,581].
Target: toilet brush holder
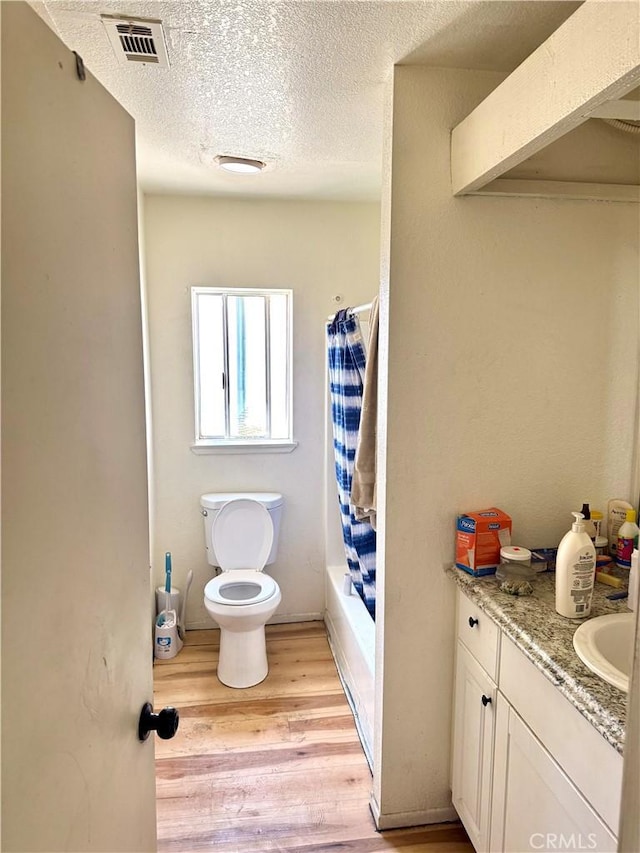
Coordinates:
[167,642]
[173,602]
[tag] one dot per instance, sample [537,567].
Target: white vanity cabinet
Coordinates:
[474,722]
[474,726]
[535,806]
[528,771]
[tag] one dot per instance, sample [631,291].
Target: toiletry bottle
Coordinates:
[596,517]
[601,542]
[627,540]
[575,571]
[589,526]
[616,514]
[632,599]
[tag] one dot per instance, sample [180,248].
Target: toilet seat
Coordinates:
[242,535]
[238,587]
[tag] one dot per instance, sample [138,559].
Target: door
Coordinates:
[473,733]
[535,804]
[76,611]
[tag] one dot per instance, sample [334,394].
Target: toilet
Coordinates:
[241,535]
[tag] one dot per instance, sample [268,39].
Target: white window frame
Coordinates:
[237,444]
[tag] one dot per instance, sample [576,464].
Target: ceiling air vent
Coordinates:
[137,40]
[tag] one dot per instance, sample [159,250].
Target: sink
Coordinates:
[605,645]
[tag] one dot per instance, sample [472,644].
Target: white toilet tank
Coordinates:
[213,501]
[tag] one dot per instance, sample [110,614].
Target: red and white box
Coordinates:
[479,537]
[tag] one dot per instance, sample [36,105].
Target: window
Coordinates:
[242,372]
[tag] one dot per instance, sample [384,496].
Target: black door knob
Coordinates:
[486,700]
[165,723]
[472,621]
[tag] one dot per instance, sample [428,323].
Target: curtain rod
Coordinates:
[359,309]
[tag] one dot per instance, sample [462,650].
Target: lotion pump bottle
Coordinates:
[575,571]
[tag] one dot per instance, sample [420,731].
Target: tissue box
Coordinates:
[479,537]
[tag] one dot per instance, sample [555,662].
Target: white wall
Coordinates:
[512,377]
[318,250]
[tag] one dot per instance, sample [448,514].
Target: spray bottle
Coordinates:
[627,540]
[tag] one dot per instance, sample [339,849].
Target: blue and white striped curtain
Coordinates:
[346,373]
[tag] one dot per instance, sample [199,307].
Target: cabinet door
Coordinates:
[535,806]
[473,733]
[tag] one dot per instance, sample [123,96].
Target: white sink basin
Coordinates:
[605,645]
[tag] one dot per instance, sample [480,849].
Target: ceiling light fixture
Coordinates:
[240,165]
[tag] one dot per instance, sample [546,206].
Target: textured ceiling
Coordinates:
[297,83]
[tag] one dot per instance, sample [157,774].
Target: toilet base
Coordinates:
[243,657]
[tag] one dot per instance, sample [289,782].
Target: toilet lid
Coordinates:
[238,587]
[242,535]
[215,500]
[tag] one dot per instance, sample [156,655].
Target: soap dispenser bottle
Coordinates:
[575,571]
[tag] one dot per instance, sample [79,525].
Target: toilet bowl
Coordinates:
[240,538]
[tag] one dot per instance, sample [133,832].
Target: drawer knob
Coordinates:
[472,621]
[486,700]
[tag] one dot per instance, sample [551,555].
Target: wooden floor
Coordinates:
[275,767]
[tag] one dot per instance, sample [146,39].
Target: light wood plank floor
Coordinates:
[277,767]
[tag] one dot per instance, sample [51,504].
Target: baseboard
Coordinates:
[297,617]
[203,624]
[400,820]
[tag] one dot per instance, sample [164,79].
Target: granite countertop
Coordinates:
[546,638]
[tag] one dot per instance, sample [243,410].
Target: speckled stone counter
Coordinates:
[546,638]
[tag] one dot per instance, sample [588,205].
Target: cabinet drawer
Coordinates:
[479,634]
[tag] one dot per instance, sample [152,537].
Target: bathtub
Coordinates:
[352,638]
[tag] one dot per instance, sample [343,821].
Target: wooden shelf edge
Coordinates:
[560,190]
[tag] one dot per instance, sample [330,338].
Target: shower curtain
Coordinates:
[346,356]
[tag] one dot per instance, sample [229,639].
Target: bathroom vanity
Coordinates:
[537,738]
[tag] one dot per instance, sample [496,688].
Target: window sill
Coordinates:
[204,447]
